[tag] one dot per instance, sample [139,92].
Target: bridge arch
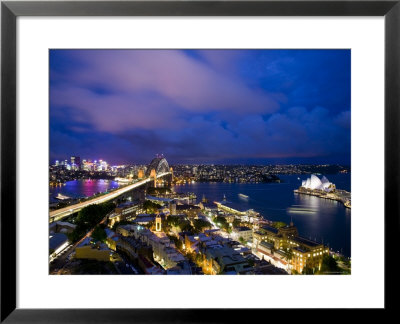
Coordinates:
[159,164]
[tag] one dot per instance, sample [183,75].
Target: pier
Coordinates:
[339,195]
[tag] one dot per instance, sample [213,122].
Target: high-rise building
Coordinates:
[75,162]
[78,161]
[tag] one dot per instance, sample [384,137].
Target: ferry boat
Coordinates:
[243,196]
[300,210]
[62,197]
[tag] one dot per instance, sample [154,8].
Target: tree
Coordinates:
[99,234]
[176,241]
[236,222]
[183,224]
[279,224]
[242,240]
[329,265]
[88,217]
[221,222]
[200,224]
[150,207]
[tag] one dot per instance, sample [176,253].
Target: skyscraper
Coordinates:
[75,162]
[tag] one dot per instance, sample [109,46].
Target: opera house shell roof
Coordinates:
[315,183]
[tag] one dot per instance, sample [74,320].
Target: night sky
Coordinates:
[201,106]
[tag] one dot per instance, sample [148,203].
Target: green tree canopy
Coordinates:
[329,265]
[150,207]
[279,224]
[99,234]
[221,222]
[89,217]
[236,222]
[200,224]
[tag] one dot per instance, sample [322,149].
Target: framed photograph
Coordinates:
[192,155]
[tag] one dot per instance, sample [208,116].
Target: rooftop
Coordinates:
[305,241]
[270,229]
[243,228]
[57,239]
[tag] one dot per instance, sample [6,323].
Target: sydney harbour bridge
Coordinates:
[157,169]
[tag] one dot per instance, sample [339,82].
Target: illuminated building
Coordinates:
[223,259]
[75,162]
[289,247]
[243,232]
[158,223]
[103,165]
[126,210]
[88,250]
[164,250]
[140,174]
[112,239]
[114,218]
[78,162]
[190,210]
[314,183]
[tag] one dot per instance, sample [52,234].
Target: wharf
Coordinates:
[338,195]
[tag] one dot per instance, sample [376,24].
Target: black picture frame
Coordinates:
[10,10]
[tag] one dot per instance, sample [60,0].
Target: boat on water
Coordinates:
[62,197]
[243,196]
[300,210]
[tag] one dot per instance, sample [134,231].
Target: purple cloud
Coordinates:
[127,105]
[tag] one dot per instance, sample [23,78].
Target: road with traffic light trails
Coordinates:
[61,213]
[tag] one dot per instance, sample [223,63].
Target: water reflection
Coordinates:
[82,188]
[316,218]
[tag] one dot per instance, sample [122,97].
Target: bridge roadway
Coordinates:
[61,213]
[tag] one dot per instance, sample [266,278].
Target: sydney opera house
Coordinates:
[314,183]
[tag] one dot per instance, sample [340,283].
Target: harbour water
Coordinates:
[82,188]
[318,219]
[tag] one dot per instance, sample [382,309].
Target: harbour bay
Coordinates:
[316,218]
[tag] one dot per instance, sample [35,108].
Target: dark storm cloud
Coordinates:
[126,106]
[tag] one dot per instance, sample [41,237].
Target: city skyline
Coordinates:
[201,106]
